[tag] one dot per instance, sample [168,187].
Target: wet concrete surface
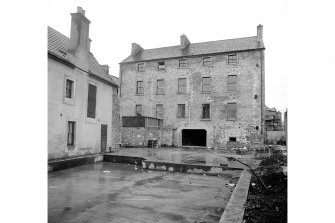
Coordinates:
[113,192]
[201,156]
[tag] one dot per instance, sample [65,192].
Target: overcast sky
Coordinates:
[117,24]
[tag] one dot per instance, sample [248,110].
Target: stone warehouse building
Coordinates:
[83,101]
[207,94]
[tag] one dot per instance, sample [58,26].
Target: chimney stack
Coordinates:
[106,68]
[259,32]
[79,37]
[135,48]
[184,42]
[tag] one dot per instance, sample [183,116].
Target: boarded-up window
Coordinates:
[232,83]
[70,133]
[232,58]
[183,63]
[138,109]
[181,111]
[159,111]
[182,85]
[206,84]
[205,110]
[207,61]
[161,65]
[91,104]
[139,87]
[69,88]
[231,111]
[140,67]
[160,87]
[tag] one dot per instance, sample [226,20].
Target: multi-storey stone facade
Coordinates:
[207,93]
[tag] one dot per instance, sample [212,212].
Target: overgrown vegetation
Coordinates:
[267,206]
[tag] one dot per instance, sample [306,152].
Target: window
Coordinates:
[69,88]
[140,67]
[231,111]
[232,139]
[160,87]
[92,92]
[207,61]
[139,87]
[181,111]
[206,84]
[205,110]
[161,65]
[138,110]
[182,85]
[70,133]
[159,111]
[183,63]
[232,58]
[232,83]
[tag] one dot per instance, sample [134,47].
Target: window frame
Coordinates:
[160,112]
[137,88]
[141,68]
[66,100]
[203,111]
[228,110]
[161,65]
[178,86]
[208,84]
[162,87]
[231,83]
[71,133]
[207,63]
[236,59]
[96,100]
[186,63]
[136,110]
[181,114]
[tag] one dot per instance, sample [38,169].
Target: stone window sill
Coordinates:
[139,94]
[205,92]
[205,119]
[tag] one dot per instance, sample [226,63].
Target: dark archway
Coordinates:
[194,137]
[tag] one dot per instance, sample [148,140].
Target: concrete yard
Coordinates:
[113,192]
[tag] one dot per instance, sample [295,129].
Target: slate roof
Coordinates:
[58,45]
[220,46]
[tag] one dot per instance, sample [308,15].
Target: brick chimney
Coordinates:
[79,39]
[184,42]
[259,32]
[135,48]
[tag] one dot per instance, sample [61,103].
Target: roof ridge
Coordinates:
[202,42]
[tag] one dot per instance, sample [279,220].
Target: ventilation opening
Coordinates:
[194,137]
[255,96]
[232,139]
[257,127]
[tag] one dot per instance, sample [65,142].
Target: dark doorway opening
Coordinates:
[194,137]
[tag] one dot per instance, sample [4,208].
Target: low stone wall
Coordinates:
[234,210]
[139,136]
[275,135]
[61,164]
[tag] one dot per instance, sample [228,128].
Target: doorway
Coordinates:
[103,138]
[194,137]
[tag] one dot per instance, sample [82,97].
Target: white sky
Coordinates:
[117,24]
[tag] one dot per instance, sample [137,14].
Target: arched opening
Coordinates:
[194,137]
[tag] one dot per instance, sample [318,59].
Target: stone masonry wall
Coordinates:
[139,136]
[249,97]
